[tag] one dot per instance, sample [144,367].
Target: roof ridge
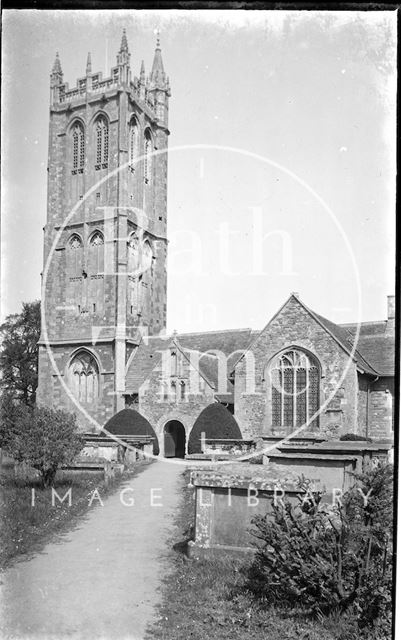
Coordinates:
[202,333]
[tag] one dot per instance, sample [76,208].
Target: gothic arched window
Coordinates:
[147,163]
[102,143]
[74,256]
[146,258]
[84,377]
[133,256]
[294,390]
[78,148]
[133,143]
[96,253]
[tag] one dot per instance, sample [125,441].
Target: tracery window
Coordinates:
[148,148]
[84,377]
[96,300]
[133,144]
[102,143]
[74,256]
[294,390]
[78,148]
[96,253]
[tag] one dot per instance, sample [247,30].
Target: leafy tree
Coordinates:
[322,557]
[43,438]
[19,353]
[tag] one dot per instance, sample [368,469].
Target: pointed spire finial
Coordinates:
[157,38]
[57,65]
[124,43]
[89,64]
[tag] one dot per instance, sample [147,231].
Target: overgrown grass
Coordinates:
[25,529]
[208,600]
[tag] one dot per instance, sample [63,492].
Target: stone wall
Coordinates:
[52,382]
[294,327]
[159,411]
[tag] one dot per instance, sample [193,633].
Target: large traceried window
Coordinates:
[102,143]
[133,143]
[294,390]
[84,377]
[78,148]
[147,162]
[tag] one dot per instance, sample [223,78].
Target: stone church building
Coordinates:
[102,348]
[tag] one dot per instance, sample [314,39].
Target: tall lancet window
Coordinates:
[96,253]
[102,143]
[294,390]
[133,275]
[96,273]
[74,256]
[133,143]
[147,162]
[78,148]
[84,377]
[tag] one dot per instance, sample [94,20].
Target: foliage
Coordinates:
[208,599]
[19,353]
[24,529]
[354,437]
[43,438]
[324,557]
[215,422]
[129,422]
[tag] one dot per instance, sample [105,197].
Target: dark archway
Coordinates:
[174,440]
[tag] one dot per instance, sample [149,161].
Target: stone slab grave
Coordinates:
[227,497]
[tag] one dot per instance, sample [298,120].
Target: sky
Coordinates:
[281,174]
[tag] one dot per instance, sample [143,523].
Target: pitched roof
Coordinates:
[232,343]
[377,344]
[347,341]
[374,353]
[143,361]
[227,341]
[375,357]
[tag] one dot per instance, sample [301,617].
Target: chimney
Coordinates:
[390,307]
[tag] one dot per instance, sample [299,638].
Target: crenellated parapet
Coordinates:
[150,92]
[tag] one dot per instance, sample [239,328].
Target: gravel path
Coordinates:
[101,579]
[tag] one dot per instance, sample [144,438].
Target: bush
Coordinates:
[323,558]
[354,437]
[41,437]
[216,422]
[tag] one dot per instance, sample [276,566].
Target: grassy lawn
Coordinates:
[25,529]
[208,600]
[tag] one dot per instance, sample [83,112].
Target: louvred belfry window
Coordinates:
[294,390]
[78,148]
[102,144]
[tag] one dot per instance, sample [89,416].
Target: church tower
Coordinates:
[104,280]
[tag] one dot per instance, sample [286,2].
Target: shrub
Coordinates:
[354,437]
[323,558]
[216,422]
[42,438]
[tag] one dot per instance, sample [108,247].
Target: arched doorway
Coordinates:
[174,440]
